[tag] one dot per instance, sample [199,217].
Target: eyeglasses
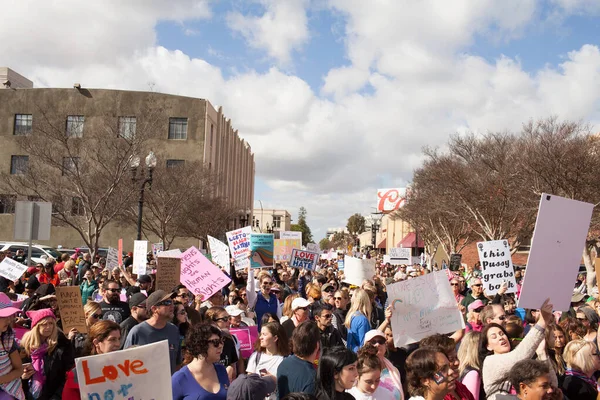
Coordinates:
[242,294]
[114,290]
[377,340]
[183,295]
[330,290]
[267,283]
[222,319]
[338,298]
[165,303]
[327,316]
[581,318]
[477,285]
[96,316]
[217,342]
[478,310]
[454,284]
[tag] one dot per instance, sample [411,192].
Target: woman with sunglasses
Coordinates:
[263,301]
[93,314]
[182,322]
[390,376]
[430,375]
[474,323]
[47,275]
[341,302]
[588,317]
[456,290]
[219,317]
[205,378]
[582,361]
[337,373]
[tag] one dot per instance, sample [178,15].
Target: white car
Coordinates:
[39,253]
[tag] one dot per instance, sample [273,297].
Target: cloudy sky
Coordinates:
[336,97]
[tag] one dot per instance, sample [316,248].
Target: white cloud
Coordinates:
[578,6]
[282,28]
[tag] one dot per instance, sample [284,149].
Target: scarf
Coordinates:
[395,374]
[38,379]
[14,387]
[583,377]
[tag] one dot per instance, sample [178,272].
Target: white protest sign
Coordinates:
[239,242]
[313,247]
[169,253]
[496,266]
[357,270]
[386,259]
[11,269]
[140,247]
[400,255]
[138,373]
[304,259]
[423,306]
[241,263]
[219,252]
[558,241]
[112,258]
[290,235]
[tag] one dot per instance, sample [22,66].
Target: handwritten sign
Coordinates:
[156,247]
[313,247]
[246,337]
[168,270]
[169,253]
[261,250]
[390,199]
[199,275]
[239,242]
[455,260]
[132,374]
[120,255]
[219,252]
[140,247]
[496,265]
[304,259]
[70,305]
[11,269]
[423,306]
[112,258]
[291,235]
[400,255]
[356,270]
[284,247]
[341,265]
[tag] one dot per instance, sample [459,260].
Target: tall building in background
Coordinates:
[9,79]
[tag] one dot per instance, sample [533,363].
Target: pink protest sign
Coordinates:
[199,275]
[246,336]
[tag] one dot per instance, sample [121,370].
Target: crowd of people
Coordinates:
[319,337]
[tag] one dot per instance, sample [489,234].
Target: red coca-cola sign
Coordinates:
[390,199]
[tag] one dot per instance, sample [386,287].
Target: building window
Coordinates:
[77,206]
[19,165]
[127,127]
[211,134]
[70,165]
[178,128]
[23,124]
[75,125]
[276,221]
[175,163]
[7,203]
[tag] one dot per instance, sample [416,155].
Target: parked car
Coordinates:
[38,252]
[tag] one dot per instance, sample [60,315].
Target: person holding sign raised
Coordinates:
[263,301]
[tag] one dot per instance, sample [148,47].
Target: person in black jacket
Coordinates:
[330,336]
[50,354]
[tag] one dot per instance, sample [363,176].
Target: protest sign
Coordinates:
[219,252]
[332,255]
[120,255]
[556,247]
[70,305]
[241,263]
[169,253]
[496,266]
[142,372]
[168,270]
[304,259]
[140,247]
[400,255]
[246,337]
[455,260]
[386,259]
[156,247]
[112,258]
[11,269]
[291,235]
[313,247]
[284,247]
[357,270]
[341,265]
[199,275]
[261,250]
[239,242]
[423,306]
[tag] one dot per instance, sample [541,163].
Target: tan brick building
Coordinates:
[193,131]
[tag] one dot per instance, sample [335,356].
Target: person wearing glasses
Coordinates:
[474,317]
[300,313]
[582,361]
[323,314]
[588,317]
[93,314]
[390,378]
[113,309]
[476,294]
[158,326]
[430,375]
[205,378]
[230,357]
[263,301]
[493,313]
[186,298]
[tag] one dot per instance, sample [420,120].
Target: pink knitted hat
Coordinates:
[38,315]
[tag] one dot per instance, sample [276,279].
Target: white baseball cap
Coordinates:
[234,311]
[299,302]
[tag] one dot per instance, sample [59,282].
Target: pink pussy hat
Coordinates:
[38,315]
[7,307]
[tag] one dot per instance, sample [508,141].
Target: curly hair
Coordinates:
[420,365]
[527,372]
[197,338]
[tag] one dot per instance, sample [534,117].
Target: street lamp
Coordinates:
[134,163]
[375,224]
[245,217]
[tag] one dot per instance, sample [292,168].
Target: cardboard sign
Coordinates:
[239,242]
[313,247]
[140,248]
[120,255]
[219,252]
[142,372]
[261,250]
[156,247]
[357,270]
[199,275]
[455,261]
[112,259]
[556,248]
[11,269]
[496,266]
[423,306]
[70,305]
[304,259]
[168,270]
[390,199]
[284,247]
[246,336]
[400,255]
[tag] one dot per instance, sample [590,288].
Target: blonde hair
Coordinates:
[468,352]
[70,263]
[90,307]
[32,340]
[578,355]
[287,305]
[313,291]
[360,302]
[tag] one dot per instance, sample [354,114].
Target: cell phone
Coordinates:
[263,372]
[439,377]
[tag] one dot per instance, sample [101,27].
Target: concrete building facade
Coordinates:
[191,130]
[271,220]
